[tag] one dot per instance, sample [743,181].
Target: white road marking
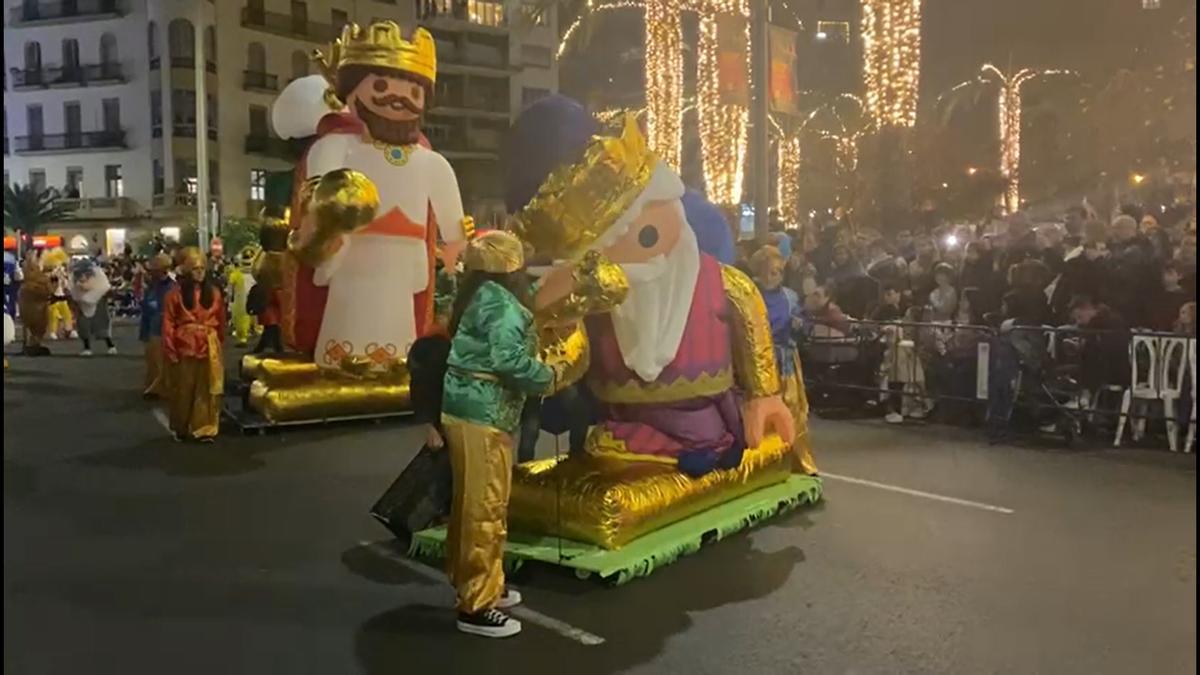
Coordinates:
[919,493]
[162,418]
[521,612]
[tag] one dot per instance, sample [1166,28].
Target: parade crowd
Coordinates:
[948,287]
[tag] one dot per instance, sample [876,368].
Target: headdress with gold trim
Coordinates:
[380,44]
[190,258]
[494,252]
[578,203]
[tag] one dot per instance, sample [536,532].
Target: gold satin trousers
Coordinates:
[195,410]
[156,369]
[481,461]
[60,319]
[796,399]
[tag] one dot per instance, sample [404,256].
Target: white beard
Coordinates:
[649,325]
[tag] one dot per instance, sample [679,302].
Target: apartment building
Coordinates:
[99,98]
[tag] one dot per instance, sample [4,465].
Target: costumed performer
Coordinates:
[670,365]
[241,280]
[155,287]
[492,367]
[33,301]
[61,321]
[89,291]
[382,84]
[193,332]
[783,312]
[12,283]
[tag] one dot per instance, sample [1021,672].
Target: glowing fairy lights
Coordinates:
[664,80]
[788,193]
[723,126]
[1008,113]
[891,31]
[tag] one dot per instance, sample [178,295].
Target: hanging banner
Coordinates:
[733,60]
[782,83]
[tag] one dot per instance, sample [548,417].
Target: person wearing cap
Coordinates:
[493,365]
[154,295]
[193,332]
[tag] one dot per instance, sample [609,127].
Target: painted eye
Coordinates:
[648,236]
[416,92]
[380,85]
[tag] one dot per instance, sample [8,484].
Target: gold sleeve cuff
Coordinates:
[753,350]
[566,351]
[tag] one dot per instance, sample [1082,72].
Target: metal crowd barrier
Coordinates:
[874,363]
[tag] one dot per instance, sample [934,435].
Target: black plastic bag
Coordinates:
[419,497]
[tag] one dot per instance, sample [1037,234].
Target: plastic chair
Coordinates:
[1143,384]
[1191,433]
[1174,355]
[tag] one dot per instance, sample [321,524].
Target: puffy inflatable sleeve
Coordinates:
[753,351]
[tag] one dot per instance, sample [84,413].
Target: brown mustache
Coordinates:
[396,103]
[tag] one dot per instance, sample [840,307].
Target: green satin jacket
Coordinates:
[493,361]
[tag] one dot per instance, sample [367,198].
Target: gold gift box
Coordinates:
[609,502]
[278,371]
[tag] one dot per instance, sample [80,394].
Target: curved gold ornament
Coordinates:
[753,349]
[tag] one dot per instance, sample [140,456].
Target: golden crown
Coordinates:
[380,44]
[494,252]
[578,203]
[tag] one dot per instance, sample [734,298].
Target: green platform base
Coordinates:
[640,557]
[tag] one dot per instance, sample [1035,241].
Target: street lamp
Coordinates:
[971,171]
[1137,178]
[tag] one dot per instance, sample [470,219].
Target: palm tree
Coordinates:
[1008,108]
[29,211]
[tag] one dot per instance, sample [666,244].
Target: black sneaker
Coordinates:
[489,623]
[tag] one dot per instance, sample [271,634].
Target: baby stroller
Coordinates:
[1024,376]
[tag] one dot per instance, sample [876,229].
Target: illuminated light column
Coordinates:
[664,80]
[1008,113]
[891,32]
[788,200]
[722,126]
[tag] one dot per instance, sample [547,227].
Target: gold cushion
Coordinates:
[610,502]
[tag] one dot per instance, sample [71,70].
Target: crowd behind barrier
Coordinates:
[1063,380]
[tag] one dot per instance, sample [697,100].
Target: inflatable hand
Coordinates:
[764,412]
[342,202]
[594,286]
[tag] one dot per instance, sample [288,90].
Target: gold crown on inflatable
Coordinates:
[494,252]
[380,44]
[578,203]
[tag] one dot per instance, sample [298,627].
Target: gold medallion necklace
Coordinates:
[396,155]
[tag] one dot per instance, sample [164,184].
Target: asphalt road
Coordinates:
[126,553]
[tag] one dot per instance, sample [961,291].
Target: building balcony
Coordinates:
[269,146]
[71,76]
[177,200]
[189,63]
[81,141]
[65,11]
[287,25]
[476,15]
[256,81]
[101,208]
[188,130]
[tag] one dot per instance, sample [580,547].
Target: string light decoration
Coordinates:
[664,80]
[1008,114]
[891,31]
[723,127]
[788,192]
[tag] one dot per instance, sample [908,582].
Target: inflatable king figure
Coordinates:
[356,295]
[683,370]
